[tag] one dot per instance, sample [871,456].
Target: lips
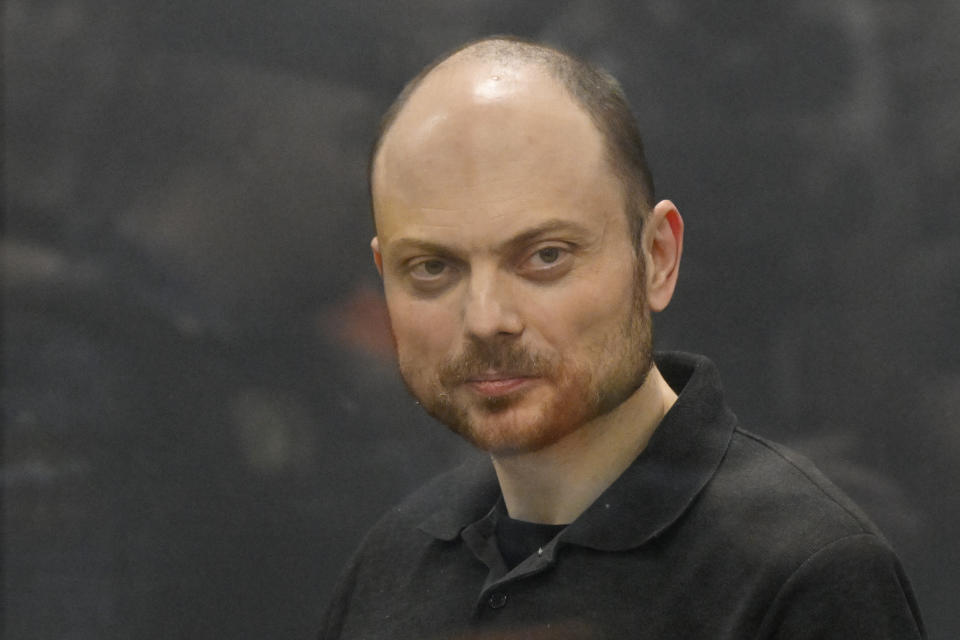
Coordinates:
[499,384]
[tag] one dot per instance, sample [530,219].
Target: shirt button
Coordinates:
[497,599]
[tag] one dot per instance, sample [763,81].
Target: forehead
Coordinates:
[480,138]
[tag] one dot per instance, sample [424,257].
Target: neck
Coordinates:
[556,484]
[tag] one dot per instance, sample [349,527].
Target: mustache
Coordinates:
[479,358]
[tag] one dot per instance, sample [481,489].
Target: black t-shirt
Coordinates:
[518,539]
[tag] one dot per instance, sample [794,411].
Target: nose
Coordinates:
[490,308]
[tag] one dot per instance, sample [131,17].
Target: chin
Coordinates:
[516,429]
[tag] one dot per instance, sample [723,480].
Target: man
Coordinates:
[522,254]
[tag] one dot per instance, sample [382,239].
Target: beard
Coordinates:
[577,390]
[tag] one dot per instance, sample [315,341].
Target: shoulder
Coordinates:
[794,536]
[442,506]
[783,489]
[849,585]
[769,510]
[772,514]
[392,549]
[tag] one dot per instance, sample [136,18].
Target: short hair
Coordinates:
[593,88]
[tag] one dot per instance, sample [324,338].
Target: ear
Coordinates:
[663,246]
[377,258]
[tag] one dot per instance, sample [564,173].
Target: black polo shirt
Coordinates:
[711,533]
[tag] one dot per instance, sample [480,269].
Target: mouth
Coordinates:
[499,383]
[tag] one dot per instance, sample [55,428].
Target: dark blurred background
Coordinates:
[201,414]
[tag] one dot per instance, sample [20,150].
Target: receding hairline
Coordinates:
[589,88]
[507,51]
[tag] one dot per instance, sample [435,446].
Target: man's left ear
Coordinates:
[663,246]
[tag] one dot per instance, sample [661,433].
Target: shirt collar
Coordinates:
[655,490]
[469,493]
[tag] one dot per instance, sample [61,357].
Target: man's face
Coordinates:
[515,296]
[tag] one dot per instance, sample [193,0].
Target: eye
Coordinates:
[428,269]
[549,255]
[548,262]
[430,274]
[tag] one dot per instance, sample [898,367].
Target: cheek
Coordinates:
[421,330]
[584,313]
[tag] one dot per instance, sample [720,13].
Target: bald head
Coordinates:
[478,127]
[515,83]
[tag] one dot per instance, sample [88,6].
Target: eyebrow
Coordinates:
[553,225]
